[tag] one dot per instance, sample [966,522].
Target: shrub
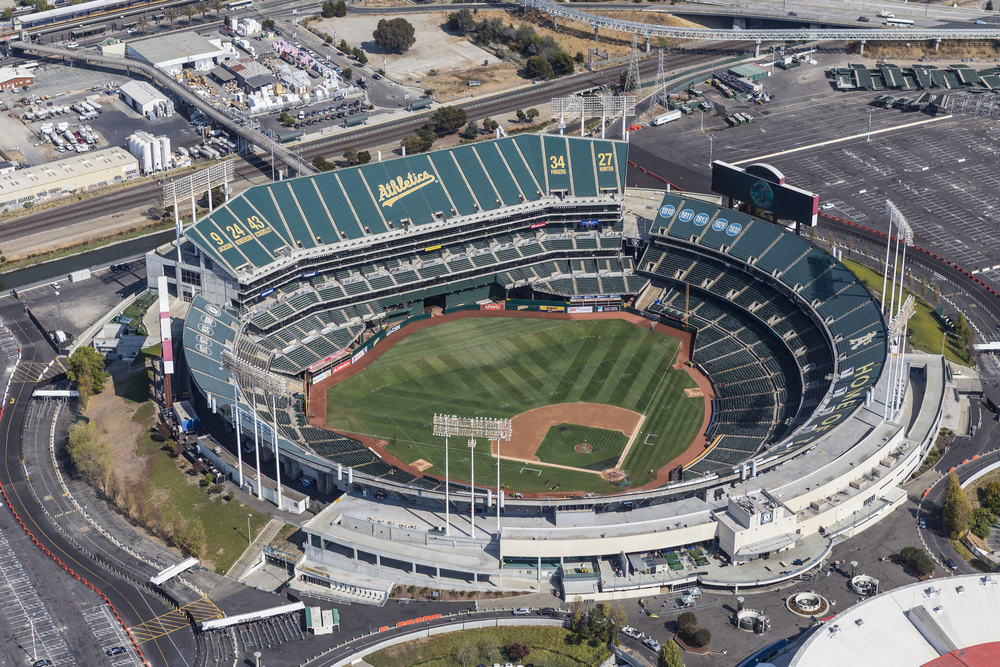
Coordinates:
[916,560]
[700,638]
[981,522]
[687,620]
[517,651]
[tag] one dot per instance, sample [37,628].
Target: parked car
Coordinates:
[54,285]
[952,565]
[826,207]
[923,522]
[546,611]
[115,650]
[651,644]
[521,611]
[41,663]
[114,268]
[629,631]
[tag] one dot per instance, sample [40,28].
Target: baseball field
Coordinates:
[584,397]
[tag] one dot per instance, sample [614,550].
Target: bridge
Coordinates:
[237,127]
[649,30]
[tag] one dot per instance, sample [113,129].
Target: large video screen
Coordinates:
[784,202]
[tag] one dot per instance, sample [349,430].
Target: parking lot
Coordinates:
[941,174]
[23,610]
[110,637]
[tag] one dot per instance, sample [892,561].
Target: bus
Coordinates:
[900,23]
[239,4]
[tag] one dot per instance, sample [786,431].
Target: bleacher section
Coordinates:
[730,258]
[269,222]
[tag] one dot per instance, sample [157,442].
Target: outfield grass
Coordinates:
[559,446]
[925,331]
[501,367]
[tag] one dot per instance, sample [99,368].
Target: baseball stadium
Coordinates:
[683,386]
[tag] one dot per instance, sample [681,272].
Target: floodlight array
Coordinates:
[198,181]
[472,427]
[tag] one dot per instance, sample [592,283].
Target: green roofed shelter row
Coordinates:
[272,226]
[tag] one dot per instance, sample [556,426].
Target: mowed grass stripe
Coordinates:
[502,367]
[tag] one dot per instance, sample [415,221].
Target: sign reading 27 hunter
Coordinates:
[764,187]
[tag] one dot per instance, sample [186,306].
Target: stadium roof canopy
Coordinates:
[399,197]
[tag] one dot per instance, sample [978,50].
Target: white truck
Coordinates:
[666,118]
[886,15]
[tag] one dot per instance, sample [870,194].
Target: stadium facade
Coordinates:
[302,278]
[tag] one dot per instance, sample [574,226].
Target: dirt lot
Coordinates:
[434,48]
[113,417]
[457,60]
[950,50]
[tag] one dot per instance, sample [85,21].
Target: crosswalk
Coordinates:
[25,614]
[200,610]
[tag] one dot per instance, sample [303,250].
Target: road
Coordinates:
[134,604]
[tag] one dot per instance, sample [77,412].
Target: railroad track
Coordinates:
[146,192]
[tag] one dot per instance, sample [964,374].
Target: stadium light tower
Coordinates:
[899,312]
[271,385]
[471,427]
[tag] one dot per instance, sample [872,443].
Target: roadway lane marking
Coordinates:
[848,138]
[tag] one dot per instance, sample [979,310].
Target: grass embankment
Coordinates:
[925,331]
[552,647]
[173,504]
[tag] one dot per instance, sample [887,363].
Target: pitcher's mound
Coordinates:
[694,393]
[422,465]
[584,448]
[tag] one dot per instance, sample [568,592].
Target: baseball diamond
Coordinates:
[599,377]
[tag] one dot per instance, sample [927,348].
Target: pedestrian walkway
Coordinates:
[252,556]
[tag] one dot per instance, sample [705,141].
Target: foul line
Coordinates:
[635,434]
[853,136]
[548,465]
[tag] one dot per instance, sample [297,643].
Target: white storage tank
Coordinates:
[145,157]
[157,154]
[165,151]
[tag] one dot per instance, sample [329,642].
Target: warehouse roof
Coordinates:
[277,220]
[142,92]
[176,47]
[59,170]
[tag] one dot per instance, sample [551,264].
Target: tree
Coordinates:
[531,114]
[8,14]
[322,164]
[203,9]
[286,119]
[517,651]
[449,119]
[347,73]
[192,538]
[956,509]
[578,58]
[981,522]
[340,9]
[467,654]
[141,22]
[989,495]
[699,638]
[490,125]
[395,35]
[687,621]
[344,47]
[963,330]
[562,63]
[364,157]
[189,12]
[916,560]
[86,371]
[359,55]
[489,646]
[520,116]
[462,22]
[90,455]
[539,68]
[618,618]
[217,5]
[413,144]
[850,245]
[670,655]
[328,9]
[472,129]
[351,155]
[171,15]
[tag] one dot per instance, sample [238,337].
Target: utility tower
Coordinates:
[632,80]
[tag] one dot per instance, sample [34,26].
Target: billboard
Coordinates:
[764,188]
